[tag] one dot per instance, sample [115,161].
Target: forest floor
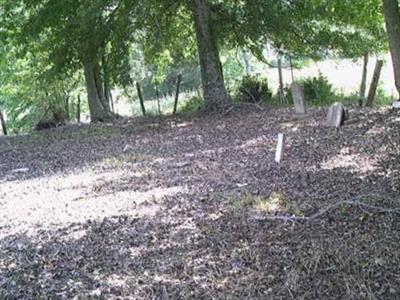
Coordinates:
[198,209]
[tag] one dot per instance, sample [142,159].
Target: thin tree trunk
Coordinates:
[374,83]
[111,100]
[392,19]
[178,87]
[139,91]
[100,84]
[67,112]
[3,123]
[78,110]
[98,113]
[106,85]
[215,93]
[281,88]
[158,101]
[363,87]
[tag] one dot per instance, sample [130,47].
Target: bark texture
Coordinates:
[215,94]
[392,18]
[139,91]
[281,87]
[374,83]
[363,87]
[178,88]
[3,123]
[99,106]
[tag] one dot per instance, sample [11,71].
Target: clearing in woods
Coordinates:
[198,208]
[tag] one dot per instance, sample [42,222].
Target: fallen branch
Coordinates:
[328,209]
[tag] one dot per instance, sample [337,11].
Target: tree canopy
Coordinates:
[94,41]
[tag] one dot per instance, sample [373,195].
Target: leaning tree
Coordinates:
[392,18]
[314,27]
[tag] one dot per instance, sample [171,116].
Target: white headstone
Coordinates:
[298,99]
[336,115]
[396,104]
[279,148]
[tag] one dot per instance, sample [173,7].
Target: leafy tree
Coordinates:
[79,34]
[392,17]
[98,36]
[314,28]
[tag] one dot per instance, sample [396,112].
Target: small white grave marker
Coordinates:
[279,148]
[396,104]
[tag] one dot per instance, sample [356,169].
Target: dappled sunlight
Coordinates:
[275,203]
[203,214]
[262,141]
[359,163]
[67,199]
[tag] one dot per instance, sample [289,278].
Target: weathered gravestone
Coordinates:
[337,115]
[396,104]
[298,99]
[279,148]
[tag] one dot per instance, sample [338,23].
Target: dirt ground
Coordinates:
[196,208]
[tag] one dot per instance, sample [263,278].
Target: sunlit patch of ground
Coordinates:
[73,198]
[150,209]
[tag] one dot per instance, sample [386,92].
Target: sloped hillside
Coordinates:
[198,209]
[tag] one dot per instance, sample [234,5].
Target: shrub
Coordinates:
[253,89]
[382,98]
[193,105]
[318,90]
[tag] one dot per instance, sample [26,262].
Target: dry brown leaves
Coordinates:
[173,209]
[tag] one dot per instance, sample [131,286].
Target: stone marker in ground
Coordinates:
[396,104]
[279,148]
[298,99]
[337,114]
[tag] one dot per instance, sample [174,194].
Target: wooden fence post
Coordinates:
[158,101]
[78,109]
[178,87]
[374,83]
[141,98]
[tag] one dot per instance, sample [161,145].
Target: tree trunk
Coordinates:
[100,84]
[139,91]
[78,110]
[67,111]
[392,18]
[99,111]
[111,100]
[363,87]
[178,88]
[281,88]
[374,83]
[158,101]
[107,86]
[215,94]
[3,123]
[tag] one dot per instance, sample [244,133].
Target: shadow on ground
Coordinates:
[210,240]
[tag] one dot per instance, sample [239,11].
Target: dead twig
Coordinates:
[328,209]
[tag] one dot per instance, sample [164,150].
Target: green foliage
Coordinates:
[192,106]
[44,44]
[253,89]
[233,70]
[318,90]
[382,98]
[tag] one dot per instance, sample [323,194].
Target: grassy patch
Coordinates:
[276,202]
